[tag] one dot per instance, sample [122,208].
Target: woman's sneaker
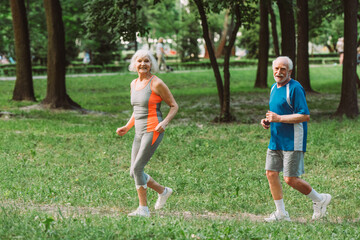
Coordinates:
[320,207]
[160,203]
[140,212]
[276,216]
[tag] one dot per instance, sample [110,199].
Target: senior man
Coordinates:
[287,120]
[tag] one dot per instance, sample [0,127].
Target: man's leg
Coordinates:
[277,194]
[275,184]
[293,168]
[298,184]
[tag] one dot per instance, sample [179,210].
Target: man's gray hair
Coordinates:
[143,53]
[289,62]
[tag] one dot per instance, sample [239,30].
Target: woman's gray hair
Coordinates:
[290,63]
[143,53]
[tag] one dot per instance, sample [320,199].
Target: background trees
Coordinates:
[24,89]
[56,96]
[241,13]
[348,102]
[261,76]
[103,28]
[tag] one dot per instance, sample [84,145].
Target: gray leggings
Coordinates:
[142,151]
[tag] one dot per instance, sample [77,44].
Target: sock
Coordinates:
[313,195]
[280,206]
[164,192]
[143,208]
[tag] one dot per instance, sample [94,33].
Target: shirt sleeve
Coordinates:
[299,101]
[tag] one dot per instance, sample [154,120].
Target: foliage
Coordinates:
[73,14]
[6,30]
[37,32]
[66,173]
[249,39]
[326,22]
[189,34]
[163,19]
[119,17]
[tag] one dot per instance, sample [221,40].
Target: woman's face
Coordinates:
[143,65]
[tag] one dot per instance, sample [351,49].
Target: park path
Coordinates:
[68,211]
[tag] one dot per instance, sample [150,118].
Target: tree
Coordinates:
[242,12]
[24,84]
[274,30]
[303,75]
[224,35]
[288,44]
[56,96]
[261,76]
[348,102]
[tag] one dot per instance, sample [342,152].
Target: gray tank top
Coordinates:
[146,106]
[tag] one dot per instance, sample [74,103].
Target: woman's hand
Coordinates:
[161,127]
[122,131]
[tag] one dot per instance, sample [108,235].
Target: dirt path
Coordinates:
[61,211]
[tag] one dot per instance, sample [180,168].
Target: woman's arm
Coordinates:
[121,131]
[160,88]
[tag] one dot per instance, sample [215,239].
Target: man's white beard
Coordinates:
[284,79]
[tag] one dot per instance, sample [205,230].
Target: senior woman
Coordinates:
[147,93]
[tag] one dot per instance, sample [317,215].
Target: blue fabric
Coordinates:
[283,135]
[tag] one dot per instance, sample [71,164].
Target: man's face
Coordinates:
[281,71]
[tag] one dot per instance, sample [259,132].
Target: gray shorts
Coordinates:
[290,162]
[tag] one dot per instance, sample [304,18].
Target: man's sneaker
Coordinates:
[320,207]
[276,216]
[140,212]
[160,203]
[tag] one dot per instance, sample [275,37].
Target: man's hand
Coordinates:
[265,123]
[273,117]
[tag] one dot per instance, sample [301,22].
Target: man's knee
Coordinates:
[272,174]
[291,181]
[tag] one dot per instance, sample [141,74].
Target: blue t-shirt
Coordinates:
[288,99]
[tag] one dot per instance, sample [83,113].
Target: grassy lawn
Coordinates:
[65,175]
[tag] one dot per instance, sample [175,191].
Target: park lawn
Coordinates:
[66,174]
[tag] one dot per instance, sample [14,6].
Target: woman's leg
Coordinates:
[155,185]
[143,151]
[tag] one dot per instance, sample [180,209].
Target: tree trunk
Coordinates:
[56,96]
[222,42]
[226,115]
[274,30]
[210,49]
[24,89]
[262,70]
[303,75]
[288,44]
[348,102]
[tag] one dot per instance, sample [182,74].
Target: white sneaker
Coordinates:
[140,212]
[160,203]
[276,216]
[320,207]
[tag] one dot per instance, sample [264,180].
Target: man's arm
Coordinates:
[291,118]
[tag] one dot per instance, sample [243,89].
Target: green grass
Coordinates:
[66,174]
